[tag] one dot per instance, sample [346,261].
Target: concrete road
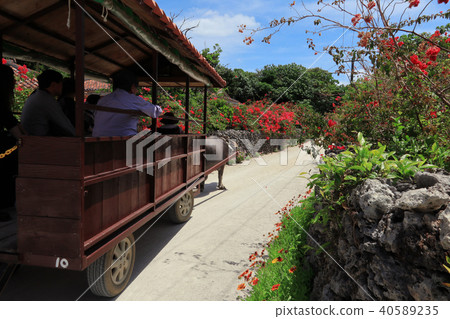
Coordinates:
[198,260]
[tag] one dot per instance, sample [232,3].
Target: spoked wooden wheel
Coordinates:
[109,275]
[181,211]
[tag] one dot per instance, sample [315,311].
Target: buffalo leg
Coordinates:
[220,171]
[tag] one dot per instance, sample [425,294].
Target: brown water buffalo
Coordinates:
[217,150]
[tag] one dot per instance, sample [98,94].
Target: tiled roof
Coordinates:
[91,85]
[25,81]
[186,43]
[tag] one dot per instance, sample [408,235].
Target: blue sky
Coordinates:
[219,21]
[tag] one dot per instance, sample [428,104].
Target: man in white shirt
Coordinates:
[123,97]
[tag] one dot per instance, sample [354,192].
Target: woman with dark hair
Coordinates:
[10,132]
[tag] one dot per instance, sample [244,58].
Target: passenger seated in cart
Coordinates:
[68,105]
[92,99]
[170,125]
[10,132]
[125,85]
[41,114]
[67,99]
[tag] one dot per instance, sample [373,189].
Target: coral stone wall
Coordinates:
[392,241]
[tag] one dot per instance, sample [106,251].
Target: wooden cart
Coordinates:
[79,199]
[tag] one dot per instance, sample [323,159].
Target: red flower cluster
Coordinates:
[435,35]
[442,1]
[331,123]
[391,43]
[331,147]
[422,66]
[368,19]
[356,19]
[414,3]
[23,70]
[371,5]
[272,118]
[432,53]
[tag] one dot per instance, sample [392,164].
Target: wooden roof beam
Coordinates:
[61,38]
[35,16]
[126,33]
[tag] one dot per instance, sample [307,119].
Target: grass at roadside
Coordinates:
[279,272]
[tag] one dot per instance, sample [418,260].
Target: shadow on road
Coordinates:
[31,283]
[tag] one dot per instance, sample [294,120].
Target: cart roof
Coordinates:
[37,30]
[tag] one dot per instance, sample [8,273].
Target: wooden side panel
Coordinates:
[48,197]
[119,154]
[92,222]
[113,193]
[107,202]
[49,171]
[145,182]
[103,157]
[193,170]
[178,145]
[89,159]
[58,151]
[49,236]
[125,193]
[169,176]
[135,192]
[110,211]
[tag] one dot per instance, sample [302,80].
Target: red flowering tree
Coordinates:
[404,75]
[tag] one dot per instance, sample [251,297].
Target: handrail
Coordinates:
[134,112]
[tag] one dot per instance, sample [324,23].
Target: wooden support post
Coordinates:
[205,108]
[1,45]
[79,69]
[186,116]
[72,69]
[154,86]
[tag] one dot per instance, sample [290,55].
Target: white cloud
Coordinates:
[213,24]
[222,28]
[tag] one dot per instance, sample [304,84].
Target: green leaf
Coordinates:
[358,167]
[368,166]
[361,139]
[448,269]
[434,147]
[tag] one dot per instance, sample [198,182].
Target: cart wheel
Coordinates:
[109,275]
[181,211]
